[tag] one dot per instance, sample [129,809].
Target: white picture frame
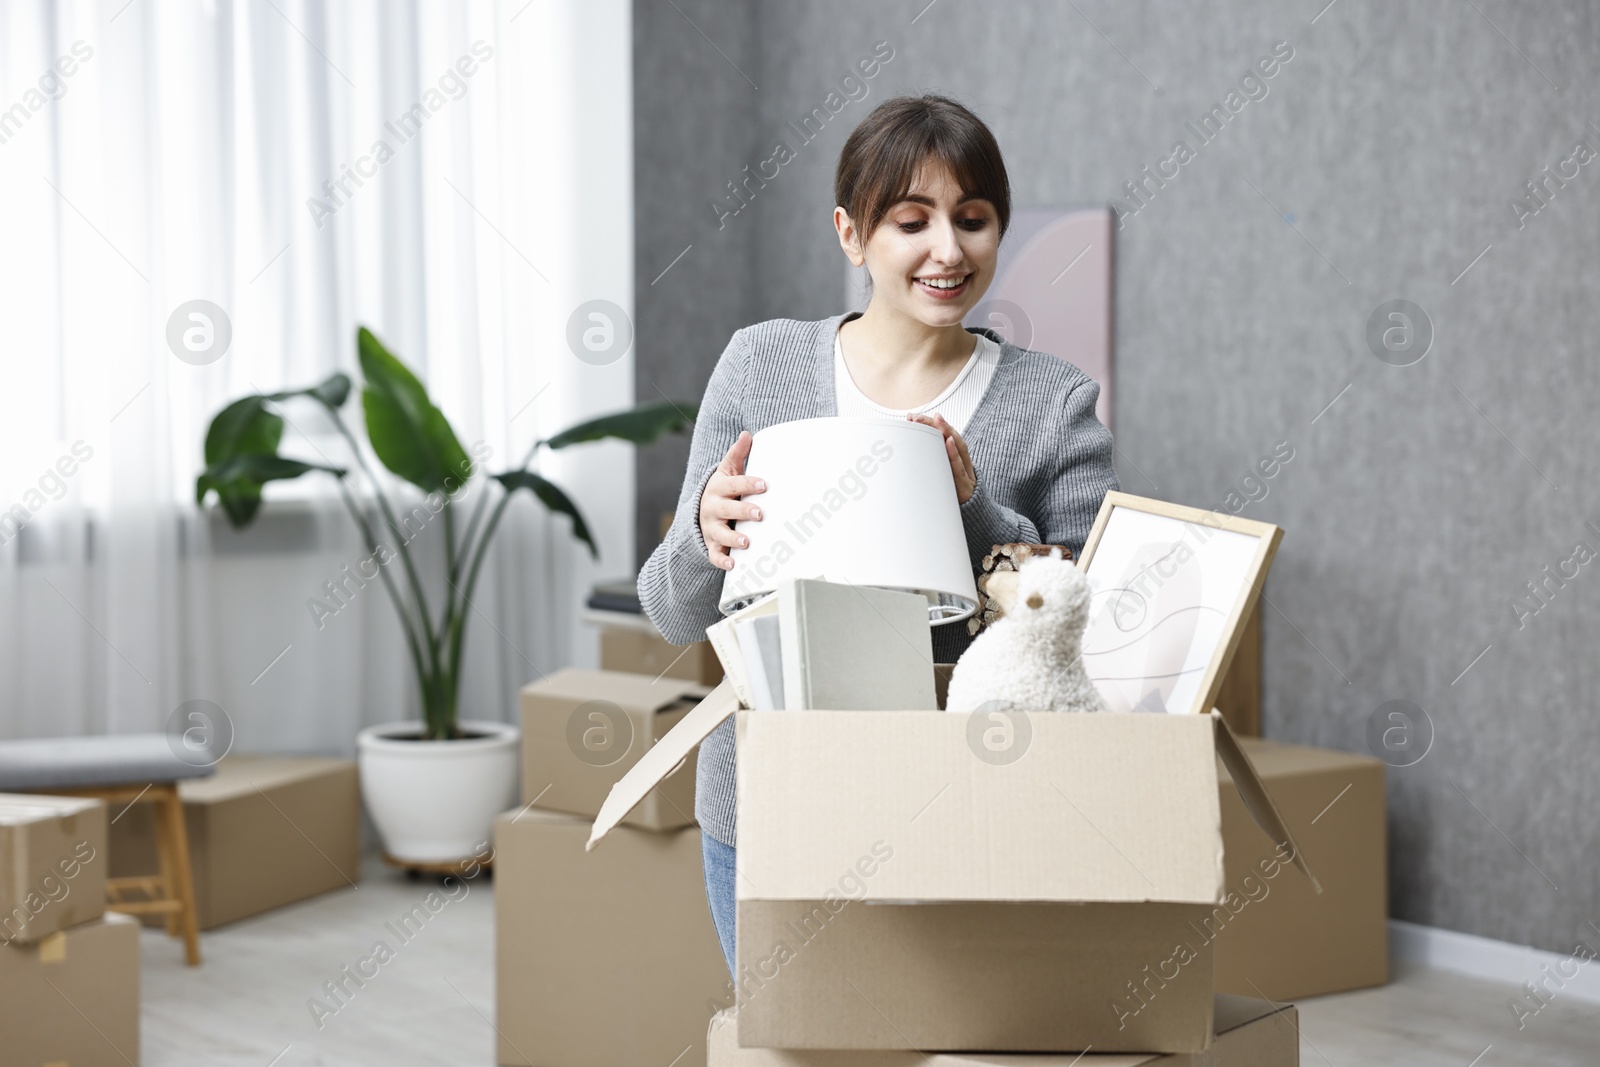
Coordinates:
[1171,589]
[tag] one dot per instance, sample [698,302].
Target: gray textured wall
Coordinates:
[1382,161]
[695,84]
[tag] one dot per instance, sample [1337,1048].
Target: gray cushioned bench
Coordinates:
[107,759]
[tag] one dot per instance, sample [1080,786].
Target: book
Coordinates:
[725,643]
[854,647]
[760,643]
[619,594]
[829,645]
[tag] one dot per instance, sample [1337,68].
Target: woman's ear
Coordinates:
[849,239]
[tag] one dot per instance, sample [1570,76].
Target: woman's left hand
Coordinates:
[956,448]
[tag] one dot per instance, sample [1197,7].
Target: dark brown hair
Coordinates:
[882,155]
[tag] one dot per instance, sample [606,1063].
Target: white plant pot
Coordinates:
[435,801]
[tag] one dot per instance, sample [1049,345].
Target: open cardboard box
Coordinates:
[582,729]
[905,883]
[897,890]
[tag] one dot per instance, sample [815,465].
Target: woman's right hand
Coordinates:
[720,502]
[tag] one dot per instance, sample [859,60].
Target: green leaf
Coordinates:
[333,392]
[240,499]
[238,481]
[554,499]
[243,427]
[410,436]
[640,426]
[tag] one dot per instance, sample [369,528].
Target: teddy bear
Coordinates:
[1030,658]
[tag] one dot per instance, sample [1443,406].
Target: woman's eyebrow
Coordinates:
[918,198]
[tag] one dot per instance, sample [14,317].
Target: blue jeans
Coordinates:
[718,860]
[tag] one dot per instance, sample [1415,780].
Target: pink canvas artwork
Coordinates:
[1052,290]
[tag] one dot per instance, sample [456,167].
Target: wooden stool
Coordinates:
[171,890]
[122,770]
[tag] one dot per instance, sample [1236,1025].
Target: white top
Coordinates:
[956,403]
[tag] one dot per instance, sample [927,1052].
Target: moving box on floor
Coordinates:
[264,831]
[72,998]
[602,959]
[630,642]
[906,884]
[638,649]
[1279,938]
[1248,1033]
[583,729]
[52,864]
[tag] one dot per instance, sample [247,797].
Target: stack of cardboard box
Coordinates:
[69,970]
[605,959]
[906,885]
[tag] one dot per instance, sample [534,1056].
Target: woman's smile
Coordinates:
[944,286]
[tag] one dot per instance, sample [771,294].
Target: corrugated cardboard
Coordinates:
[73,998]
[582,730]
[639,651]
[604,959]
[1287,942]
[1039,905]
[1249,1033]
[264,832]
[52,864]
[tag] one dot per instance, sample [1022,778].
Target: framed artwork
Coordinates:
[1171,588]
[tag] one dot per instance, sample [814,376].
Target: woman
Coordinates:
[923,200]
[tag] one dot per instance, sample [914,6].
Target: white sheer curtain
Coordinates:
[157,154]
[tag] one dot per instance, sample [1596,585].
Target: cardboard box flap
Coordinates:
[1257,801]
[663,758]
[907,805]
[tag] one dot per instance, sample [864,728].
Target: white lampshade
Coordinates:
[860,500]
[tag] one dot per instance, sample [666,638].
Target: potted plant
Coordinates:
[432,786]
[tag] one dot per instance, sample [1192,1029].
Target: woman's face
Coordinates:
[929,241]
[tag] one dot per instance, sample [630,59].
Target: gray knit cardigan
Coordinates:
[1042,458]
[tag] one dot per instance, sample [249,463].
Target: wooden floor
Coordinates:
[432,1003]
[1427,1018]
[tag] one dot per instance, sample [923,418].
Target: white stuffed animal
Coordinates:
[1031,657]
